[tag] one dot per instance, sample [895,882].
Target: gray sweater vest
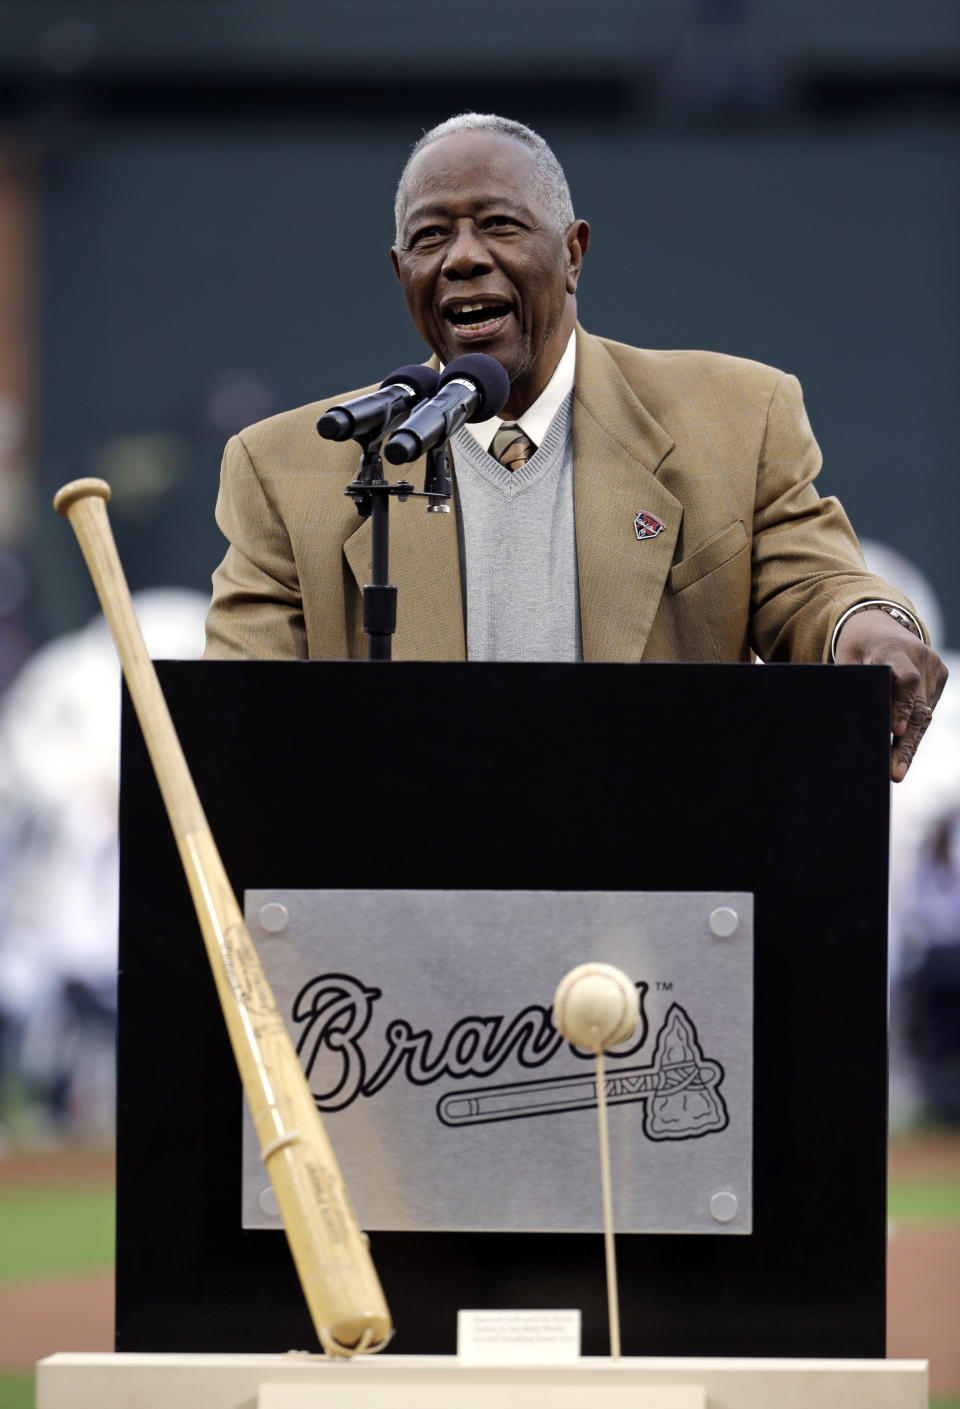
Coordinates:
[518,552]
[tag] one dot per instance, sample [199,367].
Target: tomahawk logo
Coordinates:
[678,1089]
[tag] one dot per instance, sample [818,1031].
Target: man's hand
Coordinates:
[919,675]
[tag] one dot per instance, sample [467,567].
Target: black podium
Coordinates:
[770,780]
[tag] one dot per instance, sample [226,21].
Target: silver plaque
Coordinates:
[422,1020]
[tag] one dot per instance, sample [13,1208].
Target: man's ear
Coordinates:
[577,240]
[395,260]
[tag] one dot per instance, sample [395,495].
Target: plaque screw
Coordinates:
[274,917]
[268,1200]
[723,1206]
[724,922]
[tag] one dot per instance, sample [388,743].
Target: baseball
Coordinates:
[596,1006]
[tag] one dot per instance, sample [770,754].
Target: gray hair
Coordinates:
[549,182]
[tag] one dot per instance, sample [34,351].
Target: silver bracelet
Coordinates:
[900,615]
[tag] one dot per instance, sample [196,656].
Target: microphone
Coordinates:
[370,417]
[472,388]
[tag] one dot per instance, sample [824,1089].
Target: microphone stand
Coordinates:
[371,494]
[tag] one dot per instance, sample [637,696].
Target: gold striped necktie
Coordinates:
[511,447]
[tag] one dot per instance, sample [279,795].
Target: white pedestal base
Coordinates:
[142,1381]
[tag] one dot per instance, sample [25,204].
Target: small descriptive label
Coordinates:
[518,1337]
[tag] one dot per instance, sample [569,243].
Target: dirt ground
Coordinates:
[923,1292]
[42,1167]
[923,1268]
[923,1302]
[38,1318]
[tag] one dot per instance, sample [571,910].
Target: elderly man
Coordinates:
[626,505]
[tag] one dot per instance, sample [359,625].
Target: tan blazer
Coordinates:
[718,449]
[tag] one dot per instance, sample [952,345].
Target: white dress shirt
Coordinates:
[536,419]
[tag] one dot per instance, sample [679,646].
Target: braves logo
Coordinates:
[678,1089]
[647,525]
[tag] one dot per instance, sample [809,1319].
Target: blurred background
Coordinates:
[195,213]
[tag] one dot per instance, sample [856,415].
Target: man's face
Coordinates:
[482,265]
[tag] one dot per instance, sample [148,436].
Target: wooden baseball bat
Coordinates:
[331,1254]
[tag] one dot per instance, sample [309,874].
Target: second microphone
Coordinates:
[473,388]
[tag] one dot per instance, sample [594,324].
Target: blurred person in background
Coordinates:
[925,889]
[930,981]
[59,793]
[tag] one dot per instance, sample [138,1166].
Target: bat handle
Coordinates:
[78,489]
[83,502]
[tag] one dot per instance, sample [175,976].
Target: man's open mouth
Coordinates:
[477,317]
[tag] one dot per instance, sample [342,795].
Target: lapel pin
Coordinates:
[647,525]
